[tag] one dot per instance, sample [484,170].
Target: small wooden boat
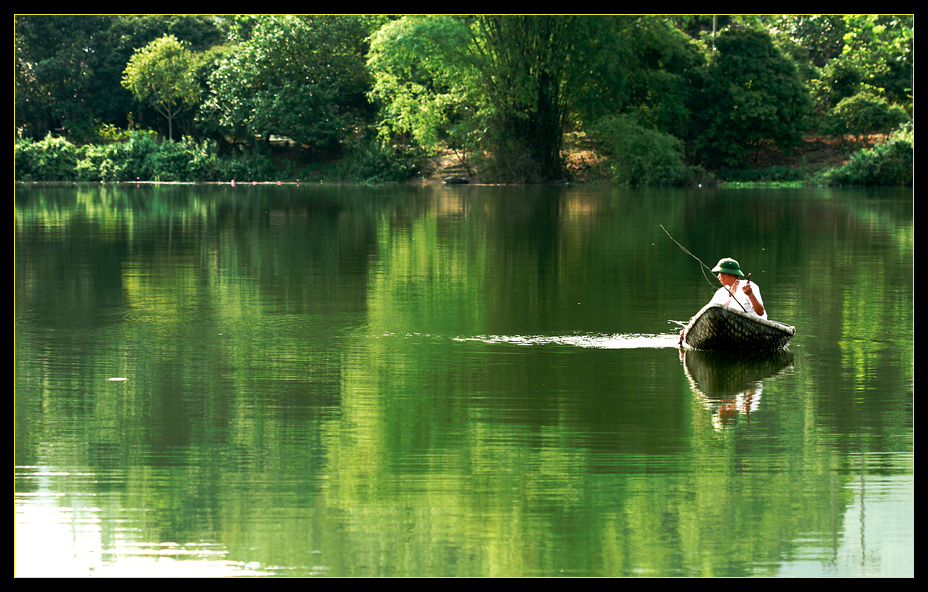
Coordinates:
[723,328]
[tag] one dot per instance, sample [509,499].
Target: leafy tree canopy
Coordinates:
[842,55]
[504,87]
[749,93]
[161,74]
[302,77]
[420,87]
[68,68]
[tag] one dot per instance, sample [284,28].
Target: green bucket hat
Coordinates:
[728,265]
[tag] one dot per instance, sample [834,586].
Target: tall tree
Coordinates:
[161,74]
[842,55]
[112,102]
[513,78]
[524,65]
[881,47]
[749,93]
[423,93]
[54,65]
[68,68]
[639,69]
[302,77]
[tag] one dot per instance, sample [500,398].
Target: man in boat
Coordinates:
[736,291]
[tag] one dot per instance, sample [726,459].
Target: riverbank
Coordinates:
[874,161]
[814,155]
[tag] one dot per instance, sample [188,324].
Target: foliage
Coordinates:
[94,131]
[842,55]
[890,163]
[863,114]
[70,66]
[204,163]
[301,77]
[813,38]
[253,164]
[502,89]
[101,163]
[502,83]
[142,157]
[525,67]
[748,93]
[834,83]
[118,43]
[51,159]
[639,68]
[375,162]
[881,48]
[161,74]
[773,174]
[420,88]
[639,156]
[53,69]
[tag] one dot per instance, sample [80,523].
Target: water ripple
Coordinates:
[599,341]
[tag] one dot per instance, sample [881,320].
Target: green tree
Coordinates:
[512,85]
[863,114]
[302,77]
[881,48]
[525,67]
[423,94]
[639,68]
[54,64]
[749,93]
[161,74]
[115,47]
[505,81]
[68,68]
[842,55]
[813,38]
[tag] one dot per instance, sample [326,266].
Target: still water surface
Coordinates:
[457,381]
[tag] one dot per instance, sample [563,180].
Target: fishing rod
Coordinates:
[685,250]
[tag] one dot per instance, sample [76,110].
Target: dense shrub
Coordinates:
[143,157]
[254,164]
[169,163]
[135,157]
[375,162]
[204,164]
[101,163]
[890,163]
[773,174]
[140,157]
[639,156]
[863,114]
[51,159]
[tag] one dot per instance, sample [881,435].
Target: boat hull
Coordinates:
[722,328]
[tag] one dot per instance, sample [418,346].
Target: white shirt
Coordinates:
[741,301]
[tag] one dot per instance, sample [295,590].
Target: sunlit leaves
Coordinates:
[161,74]
[417,81]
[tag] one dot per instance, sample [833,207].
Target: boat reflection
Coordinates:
[730,384]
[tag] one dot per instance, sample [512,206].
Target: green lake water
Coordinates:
[457,381]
